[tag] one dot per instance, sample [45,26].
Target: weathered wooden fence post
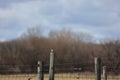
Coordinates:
[104,72]
[98,68]
[51,67]
[40,71]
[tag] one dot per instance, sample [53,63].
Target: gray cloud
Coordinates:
[6,3]
[97,17]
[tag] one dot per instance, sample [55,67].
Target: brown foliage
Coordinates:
[68,46]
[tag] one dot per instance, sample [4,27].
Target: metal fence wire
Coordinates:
[82,71]
[70,71]
[18,72]
[66,71]
[112,73]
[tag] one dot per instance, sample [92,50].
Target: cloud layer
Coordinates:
[100,18]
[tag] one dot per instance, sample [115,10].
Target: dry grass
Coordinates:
[60,76]
[18,77]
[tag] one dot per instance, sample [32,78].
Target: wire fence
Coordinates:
[67,71]
[112,73]
[80,71]
[18,72]
[74,71]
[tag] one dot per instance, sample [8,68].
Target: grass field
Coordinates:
[60,76]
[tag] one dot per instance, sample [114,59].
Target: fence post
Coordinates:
[98,68]
[40,71]
[51,67]
[104,72]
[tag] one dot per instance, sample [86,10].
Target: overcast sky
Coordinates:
[100,18]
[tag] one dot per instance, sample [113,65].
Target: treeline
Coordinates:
[69,46]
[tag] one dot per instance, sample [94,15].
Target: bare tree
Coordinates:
[33,32]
